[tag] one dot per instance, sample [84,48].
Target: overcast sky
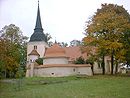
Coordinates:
[63,19]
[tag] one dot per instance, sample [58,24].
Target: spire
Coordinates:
[38,26]
[38,34]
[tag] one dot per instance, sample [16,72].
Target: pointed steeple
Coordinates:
[38,34]
[38,26]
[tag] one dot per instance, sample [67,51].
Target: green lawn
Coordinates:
[68,87]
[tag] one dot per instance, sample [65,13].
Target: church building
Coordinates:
[57,60]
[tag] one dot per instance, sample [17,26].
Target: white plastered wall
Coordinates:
[40,48]
[56,60]
[32,58]
[62,71]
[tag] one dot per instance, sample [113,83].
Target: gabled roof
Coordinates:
[38,34]
[34,52]
[74,52]
[55,51]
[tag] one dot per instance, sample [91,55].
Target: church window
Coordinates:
[35,47]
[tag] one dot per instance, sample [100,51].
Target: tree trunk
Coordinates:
[112,61]
[116,70]
[92,69]
[103,65]
[5,74]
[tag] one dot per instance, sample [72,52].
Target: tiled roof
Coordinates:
[38,34]
[55,51]
[34,52]
[74,52]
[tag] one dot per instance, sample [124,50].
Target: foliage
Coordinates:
[63,44]
[107,27]
[75,43]
[39,61]
[79,60]
[49,37]
[90,60]
[12,50]
[126,45]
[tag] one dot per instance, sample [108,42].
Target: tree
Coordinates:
[39,61]
[12,50]
[63,44]
[75,43]
[126,45]
[108,25]
[79,60]
[9,57]
[95,53]
[13,34]
[49,37]
[90,61]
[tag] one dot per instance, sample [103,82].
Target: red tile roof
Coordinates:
[55,51]
[74,52]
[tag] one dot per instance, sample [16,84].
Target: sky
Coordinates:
[64,20]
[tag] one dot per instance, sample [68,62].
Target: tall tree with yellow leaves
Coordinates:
[108,25]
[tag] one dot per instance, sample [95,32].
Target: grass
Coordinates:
[68,87]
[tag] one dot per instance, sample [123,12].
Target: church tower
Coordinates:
[38,41]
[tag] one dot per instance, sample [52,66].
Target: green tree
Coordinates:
[49,37]
[63,44]
[75,43]
[12,50]
[108,25]
[39,61]
[91,61]
[126,45]
[79,60]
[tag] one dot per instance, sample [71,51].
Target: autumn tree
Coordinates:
[12,50]
[108,25]
[9,57]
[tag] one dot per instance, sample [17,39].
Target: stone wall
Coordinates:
[62,71]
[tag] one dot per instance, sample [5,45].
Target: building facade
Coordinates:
[57,60]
